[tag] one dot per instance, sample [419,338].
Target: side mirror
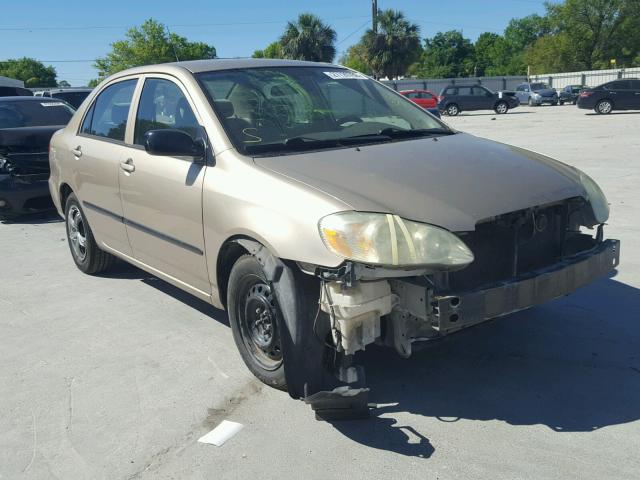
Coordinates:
[173,143]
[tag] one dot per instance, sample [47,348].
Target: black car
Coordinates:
[615,95]
[73,96]
[570,94]
[26,127]
[458,98]
[15,92]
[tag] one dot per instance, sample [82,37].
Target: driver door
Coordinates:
[162,195]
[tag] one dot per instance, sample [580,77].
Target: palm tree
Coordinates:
[395,47]
[309,39]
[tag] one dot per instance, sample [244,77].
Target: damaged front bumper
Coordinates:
[452,312]
[24,193]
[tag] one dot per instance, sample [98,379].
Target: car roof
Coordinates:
[197,66]
[30,99]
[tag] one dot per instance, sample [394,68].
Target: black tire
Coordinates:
[255,321]
[501,108]
[452,109]
[561,102]
[555,104]
[86,254]
[604,107]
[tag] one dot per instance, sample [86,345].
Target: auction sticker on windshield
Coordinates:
[345,75]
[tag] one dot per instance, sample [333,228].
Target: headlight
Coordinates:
[596,198]
[384,239]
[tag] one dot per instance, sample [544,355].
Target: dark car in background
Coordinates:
[73,96]
[616,95]
[459,98]
[570,94]
[536,94]
[15,92]
[26,127]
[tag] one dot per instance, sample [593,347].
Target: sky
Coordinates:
[70,34]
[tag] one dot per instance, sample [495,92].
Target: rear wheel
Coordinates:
[561,102]
[502,108]
[85,251]
[255,321]
[604,107]
[453,109]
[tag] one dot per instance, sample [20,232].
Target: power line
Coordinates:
[176,25]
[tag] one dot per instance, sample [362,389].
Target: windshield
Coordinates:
[539,86]
[34,114]
[285,109]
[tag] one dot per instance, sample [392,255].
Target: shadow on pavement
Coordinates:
[126,271]
[572,365]
[35,218]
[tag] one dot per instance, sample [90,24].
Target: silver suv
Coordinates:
[536,93]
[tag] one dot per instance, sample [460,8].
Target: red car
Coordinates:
[424,98]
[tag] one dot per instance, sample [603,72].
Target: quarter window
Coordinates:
[108,115]
[163,105]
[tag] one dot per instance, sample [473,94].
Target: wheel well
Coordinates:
[228,255]
[65,191]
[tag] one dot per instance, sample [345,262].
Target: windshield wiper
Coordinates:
[394,132]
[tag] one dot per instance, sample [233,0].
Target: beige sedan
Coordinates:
[322,210]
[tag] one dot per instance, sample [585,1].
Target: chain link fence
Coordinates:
[558,81]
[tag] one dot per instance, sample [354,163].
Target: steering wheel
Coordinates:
[349,119]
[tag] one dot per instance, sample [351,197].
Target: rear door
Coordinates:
[98,149]
[465,98]
[162,195]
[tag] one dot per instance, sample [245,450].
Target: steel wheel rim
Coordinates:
[452,110]
[77,233]
[256,313]
[605,107]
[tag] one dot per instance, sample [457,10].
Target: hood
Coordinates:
[452,181]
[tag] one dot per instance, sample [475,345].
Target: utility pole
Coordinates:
[374,16]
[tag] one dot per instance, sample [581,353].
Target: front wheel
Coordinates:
[502,108]
[604,107]
[85,251]
[255,321]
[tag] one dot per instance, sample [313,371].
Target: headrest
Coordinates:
[224,108]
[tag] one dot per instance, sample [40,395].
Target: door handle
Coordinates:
[128,165]
[77,151]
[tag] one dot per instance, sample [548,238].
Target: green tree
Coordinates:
[599,30]
[273,50]
[356,58]
[32,72]
[63,84]
[149,44]
[309,39]
[93,82]
[391,51]
[446,55]
[551,53]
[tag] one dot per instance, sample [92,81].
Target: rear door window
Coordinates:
[464,91]
[110,111]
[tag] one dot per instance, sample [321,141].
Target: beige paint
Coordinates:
[200,205]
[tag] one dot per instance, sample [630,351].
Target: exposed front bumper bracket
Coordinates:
[455,311]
